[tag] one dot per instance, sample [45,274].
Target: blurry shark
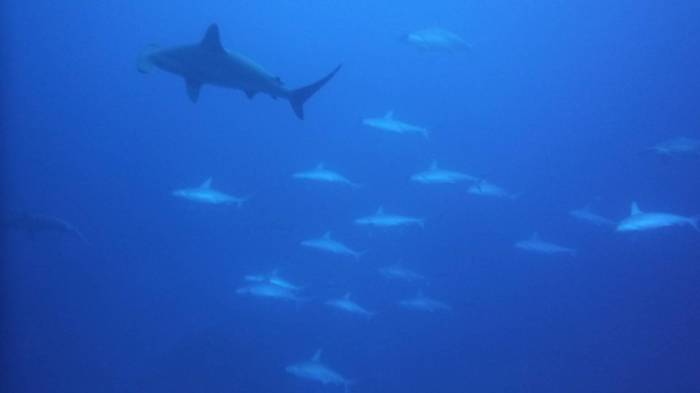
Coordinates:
[642,221]
[347,305]
[321,173]
[423,303]
[274,279]
[437,40]
[390,124]
[385,220]
[36,223]
[436,175]
[398,272]
[205,194]
[537,245]
[678,146]
[270,291]
[207,62]
[586,215]
[484,188]
[326,244]
[314,370]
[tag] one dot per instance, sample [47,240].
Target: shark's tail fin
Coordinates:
[145,65]
[298,97]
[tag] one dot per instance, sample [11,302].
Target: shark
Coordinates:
[207,195]
[645,221]
[273,278]
[314,370]
[484,188]
[398,272]
[387,220]
[535,244]
[586,215]
[270,291]
[677,147]
[437,175]
[323,174]
[347,305]
[208,63]
[36,223]
[327,244]
[423,303]
[436,39]
[389,123]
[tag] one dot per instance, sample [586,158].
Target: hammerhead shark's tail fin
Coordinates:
[298,97]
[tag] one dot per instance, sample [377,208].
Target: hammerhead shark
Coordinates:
[207,62]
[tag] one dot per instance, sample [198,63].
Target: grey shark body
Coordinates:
[398,272]
[386,220]
[315,370]
[535,244]
[436,175]
[390,124]
[346,304]
[207,62]
[33,224]
[437,40]
[423,303]
[207,195]
[323,174]
[645,221]
[484,188]
[327,244]
[586,215]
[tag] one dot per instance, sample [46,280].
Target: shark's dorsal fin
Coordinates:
[317,355]
[634,209]
[206,184]
[434,165]
[380,211]
[389,114]
[535,236]
[193,87]
[327,235]
[321,166]
[212,40]
[347,296]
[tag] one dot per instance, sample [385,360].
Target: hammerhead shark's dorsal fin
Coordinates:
[317,355]
[389,115]
[634,209]
[212,40]
[193,87]
[327,235]
[380,211]
[434,165]
[206,184]
[535,236]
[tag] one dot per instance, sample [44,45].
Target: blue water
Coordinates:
[556,101]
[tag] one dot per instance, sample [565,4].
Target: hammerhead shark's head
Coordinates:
[35,223]
[207,62]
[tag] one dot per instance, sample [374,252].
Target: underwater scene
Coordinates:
[350,196]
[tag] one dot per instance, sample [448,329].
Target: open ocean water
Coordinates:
[488,196]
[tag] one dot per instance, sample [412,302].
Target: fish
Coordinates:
[274,279]
[347,305]
[207,195]
[586,215]
[327,244]
[423,303]
[323,174]
[437,40]
[208,63]
[398,272]
[315,370]
[645,221]
[436,175]
[270,291]
[484,188]
[36,223]
[389,123]
[677,146]
[386,220]
[535,244]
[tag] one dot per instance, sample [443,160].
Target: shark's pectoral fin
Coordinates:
[250,94]
[193,87]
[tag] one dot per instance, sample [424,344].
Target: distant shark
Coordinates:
[535,244]
[677,146]
[390,124]
[437,40]
[484,188]
[323,174]
[348,305]
[270,291]
[436,175]
[386,220]
[207,62]
[316,371]
[326,244]
[587,215]
[423,303]
[643,221]
[36,223]
[273,278]
[398,272]
[207,195]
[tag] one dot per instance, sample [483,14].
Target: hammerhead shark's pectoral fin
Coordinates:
[193,87]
